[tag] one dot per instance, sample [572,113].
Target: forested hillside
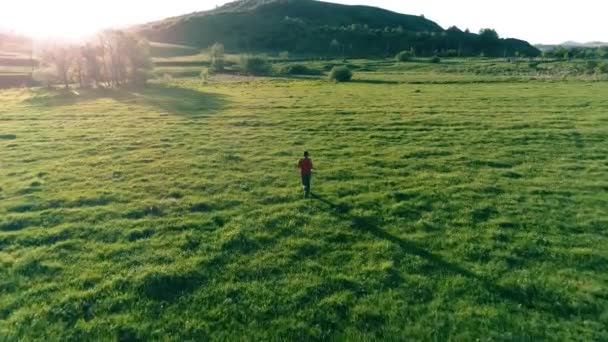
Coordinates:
[321,28]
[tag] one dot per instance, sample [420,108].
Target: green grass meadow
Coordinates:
[448,206]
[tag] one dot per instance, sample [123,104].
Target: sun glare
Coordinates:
[77,19]
[63,19]
[66,29]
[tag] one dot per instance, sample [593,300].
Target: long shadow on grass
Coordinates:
[172,99]
[519,296]
[367,81]
[304,77]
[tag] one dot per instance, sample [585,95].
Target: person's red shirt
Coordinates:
[305,166]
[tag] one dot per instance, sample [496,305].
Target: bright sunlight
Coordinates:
[70,19]
[75,20]
[303,170]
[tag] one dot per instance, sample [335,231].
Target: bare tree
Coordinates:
[101,50]
[110,45]
[46,76]
[60,58]
[115,58]
[79,69]
[92,64]
[128,57]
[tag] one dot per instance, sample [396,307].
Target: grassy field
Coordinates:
[447,206]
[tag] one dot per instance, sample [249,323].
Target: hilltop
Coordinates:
[326,13]
[310,27]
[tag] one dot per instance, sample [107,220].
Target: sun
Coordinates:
[62,20]
[70,30]
[79,19]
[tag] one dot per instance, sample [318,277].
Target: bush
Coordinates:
[451,53]
[435,59]
[255,65]
[404,56]
[217,56]
[299,69]
[590,66]
[603,68]
[341,74]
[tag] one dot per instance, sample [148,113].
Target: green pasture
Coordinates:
[448,206]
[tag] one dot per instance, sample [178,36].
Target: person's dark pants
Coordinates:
[306,184]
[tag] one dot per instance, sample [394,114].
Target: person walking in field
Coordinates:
[305,166]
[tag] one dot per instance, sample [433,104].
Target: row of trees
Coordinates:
[450,43]
[563,52]
[114,58]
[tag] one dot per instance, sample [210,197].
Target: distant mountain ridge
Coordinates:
[316,27]
[587,44]
[572,44]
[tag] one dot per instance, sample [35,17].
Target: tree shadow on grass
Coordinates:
[303,77]
[368,81]
[530,298]
[170,99]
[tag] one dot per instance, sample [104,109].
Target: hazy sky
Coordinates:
[538,21]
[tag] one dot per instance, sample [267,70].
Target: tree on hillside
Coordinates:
[489,42]
[488,34]
[334,46]
[561,52]
[454,29]
[217,56]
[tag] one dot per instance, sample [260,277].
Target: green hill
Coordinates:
[325,13]
[309,27]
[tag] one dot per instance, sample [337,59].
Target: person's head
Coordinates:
[306,154]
